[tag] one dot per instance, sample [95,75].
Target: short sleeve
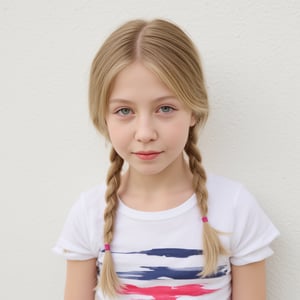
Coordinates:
[76,239]
[253,231]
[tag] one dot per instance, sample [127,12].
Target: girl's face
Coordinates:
[147,125]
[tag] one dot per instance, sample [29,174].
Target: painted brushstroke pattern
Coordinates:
[170,277]
[152,273]
[167,292]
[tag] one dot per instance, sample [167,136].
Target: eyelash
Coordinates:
[170,108]
[119,111]
[129,111]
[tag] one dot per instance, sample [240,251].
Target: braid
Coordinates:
[109,281]
[212,246]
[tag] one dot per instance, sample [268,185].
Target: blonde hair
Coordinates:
[170,54]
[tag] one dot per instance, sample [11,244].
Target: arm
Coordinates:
[81,280]
[249,281]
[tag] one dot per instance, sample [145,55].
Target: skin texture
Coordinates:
[143,115]
[249,282]
[81,279]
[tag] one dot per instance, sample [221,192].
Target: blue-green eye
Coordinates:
[124,111]
[166,109]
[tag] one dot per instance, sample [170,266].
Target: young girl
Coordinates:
[161,228]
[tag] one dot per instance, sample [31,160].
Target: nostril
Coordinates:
[145,134]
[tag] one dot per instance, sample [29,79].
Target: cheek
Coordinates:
[117,136]
[178,134]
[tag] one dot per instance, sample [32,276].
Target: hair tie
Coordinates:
[107,247]
[204,219]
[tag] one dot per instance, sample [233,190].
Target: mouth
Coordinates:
[147,155]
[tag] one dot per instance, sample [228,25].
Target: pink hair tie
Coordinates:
[107,247]
[204,219]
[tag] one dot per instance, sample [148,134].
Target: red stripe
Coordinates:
[167,292]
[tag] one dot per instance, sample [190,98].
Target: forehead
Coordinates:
[136,81]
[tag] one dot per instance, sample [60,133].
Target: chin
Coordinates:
[149,171]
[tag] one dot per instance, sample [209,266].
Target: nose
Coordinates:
[145,130]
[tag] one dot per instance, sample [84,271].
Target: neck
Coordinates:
[155,190]
[174,175]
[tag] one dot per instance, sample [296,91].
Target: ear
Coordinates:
[193,120]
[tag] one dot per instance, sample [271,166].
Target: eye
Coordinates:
[125,111]
[166,109]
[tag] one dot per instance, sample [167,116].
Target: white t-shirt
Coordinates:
[158,255]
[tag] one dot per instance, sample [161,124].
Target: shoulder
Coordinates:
[93,198]
[230,194]
[228,199]
[233,209]
[82,230]
[222,188]
[87,212]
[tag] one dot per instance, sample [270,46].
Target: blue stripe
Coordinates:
[168,252]
[152,273]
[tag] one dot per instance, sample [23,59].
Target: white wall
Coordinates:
[50,152]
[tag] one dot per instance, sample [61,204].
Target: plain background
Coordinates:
[50,152]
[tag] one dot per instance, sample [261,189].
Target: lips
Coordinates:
[147,155]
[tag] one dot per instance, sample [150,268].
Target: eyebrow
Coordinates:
[118,100]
